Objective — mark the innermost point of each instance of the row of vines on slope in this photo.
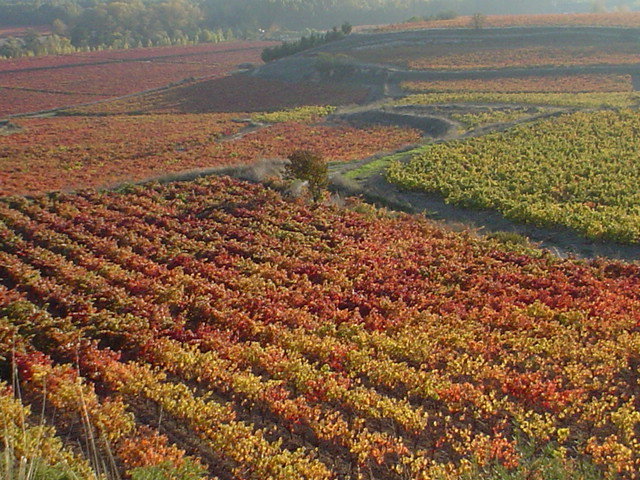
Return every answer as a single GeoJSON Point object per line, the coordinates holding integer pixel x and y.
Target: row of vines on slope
{"type": "Point", "coordinates": [310, 342]}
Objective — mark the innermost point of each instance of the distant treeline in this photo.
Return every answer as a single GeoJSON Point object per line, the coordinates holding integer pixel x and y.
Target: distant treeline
{"type": "Point", "coordinates": [319, 14]}
{"type": "Point", "coordinates": [92, 24]}
{"type": "Point", "coordinates": [80, 25]}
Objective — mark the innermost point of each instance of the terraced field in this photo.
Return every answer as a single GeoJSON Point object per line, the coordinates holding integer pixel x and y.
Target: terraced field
{"type": "Point", "coordinates": [466, 57]}
{"type": "Point", "coordinates": [579, 100]}
{"type": "Point", "coordinates": [605, 83]}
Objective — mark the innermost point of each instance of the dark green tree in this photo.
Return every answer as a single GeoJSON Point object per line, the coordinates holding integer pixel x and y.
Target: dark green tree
{"type": "Point", "coordinates": [310, 167]}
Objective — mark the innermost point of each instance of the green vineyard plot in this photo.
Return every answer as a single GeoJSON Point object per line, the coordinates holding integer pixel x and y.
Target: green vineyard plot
{"type": "Point", "coordinates": [579, 171]}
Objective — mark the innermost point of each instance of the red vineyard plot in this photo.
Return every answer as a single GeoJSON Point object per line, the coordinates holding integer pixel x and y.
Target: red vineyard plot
{"type": "Point", "coordinates": [16, 100]}
{"type": "Point", "coordinates": [237, 93]}
{"type": "Point", "coordinates": [75, 152]}
{"type": "Point", "coordinates": [116, 73]}
{"type": "Point", "coordinates": [179, 53]}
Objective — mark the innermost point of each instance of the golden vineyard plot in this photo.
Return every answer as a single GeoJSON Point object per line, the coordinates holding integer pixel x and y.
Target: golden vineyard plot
{"type": "Point", "coordinates": [216, 328]}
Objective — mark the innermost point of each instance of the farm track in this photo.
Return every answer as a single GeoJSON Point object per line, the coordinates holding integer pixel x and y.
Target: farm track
{"type": "Point", "coordinates": [56, 92]}
{"type": "Point", "coordinates": [252, 127]}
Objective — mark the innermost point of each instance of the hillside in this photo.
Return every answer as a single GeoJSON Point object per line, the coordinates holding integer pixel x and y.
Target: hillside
{"type": "Point", "coordinates": [600, 19]}
{"type": "Point", "coordinates": [455, 53]}
{"type": "Point", "coordinates": [316, 341]}
{"type": "Point", "coordinates": [43, 83]}
{"type": "Point", "coordinates": [409, 254]}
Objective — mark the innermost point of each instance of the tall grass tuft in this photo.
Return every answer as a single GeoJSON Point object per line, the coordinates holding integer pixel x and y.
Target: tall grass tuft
{"type": "Point", "coordinates": [15, 467]}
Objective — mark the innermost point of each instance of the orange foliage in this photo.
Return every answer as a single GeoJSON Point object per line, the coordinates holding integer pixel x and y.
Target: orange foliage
{"type": "Point", "coordinates": [61, 80]}
{"type": "Point", "coordinates": [371, 342]}
{"type": "Point", "coordinates": [73, 152]}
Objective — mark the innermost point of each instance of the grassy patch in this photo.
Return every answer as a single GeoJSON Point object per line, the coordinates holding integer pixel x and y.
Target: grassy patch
{"type": "Point", "coordinates": [374, 167]}
{"type": "Point", "coordinates": [544, 463]}
{"type": "Point", "coordinates": [12, 468]}
{"type": "Point", "coordinates": [167, 471]}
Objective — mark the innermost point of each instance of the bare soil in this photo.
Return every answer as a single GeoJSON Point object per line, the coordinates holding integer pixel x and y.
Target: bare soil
{"type": "Point", "coordinates": [430, 125]}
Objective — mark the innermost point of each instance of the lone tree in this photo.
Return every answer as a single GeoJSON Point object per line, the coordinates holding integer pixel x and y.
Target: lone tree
{"type": "Point", "coordinates": [309, 167]}
{"type": "Point", "coordinates": [478, 21]}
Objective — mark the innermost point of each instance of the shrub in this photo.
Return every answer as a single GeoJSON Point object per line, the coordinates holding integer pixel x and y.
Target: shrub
{"type": "Point", "coordinates": [336, 66]}
{"type": "Point", "coordinates": [346, 28]}
{"type": "Point", "coordinates": [12, 468]}
{"type": "Point", "coordinates": [311, 168]}
{"type": "Point", "coordinates": [447, 15]}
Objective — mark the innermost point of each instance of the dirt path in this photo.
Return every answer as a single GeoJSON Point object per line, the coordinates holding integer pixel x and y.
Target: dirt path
{"type": "Point", "coordinates": [252, 127]}
{"type": "Point", "coordinates": [55, 92]}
